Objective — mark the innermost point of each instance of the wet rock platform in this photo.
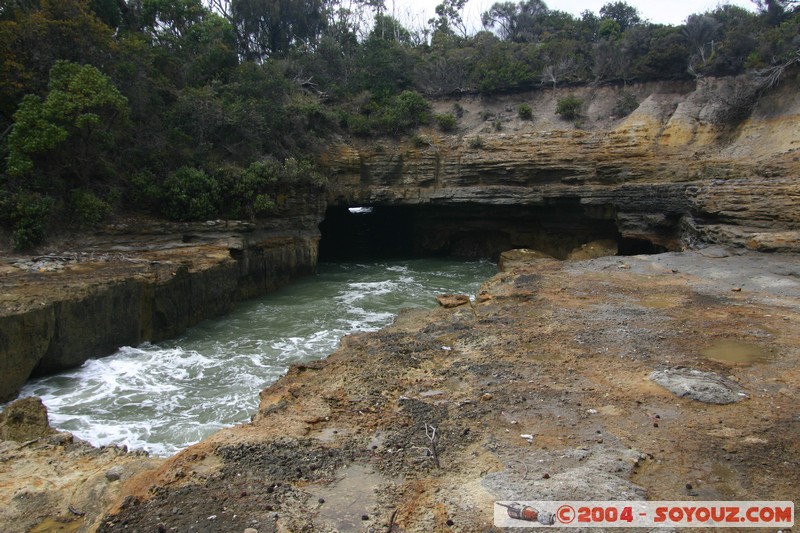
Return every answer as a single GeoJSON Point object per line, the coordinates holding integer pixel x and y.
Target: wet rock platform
{"type": "Point", "coordinates": [539, 389]}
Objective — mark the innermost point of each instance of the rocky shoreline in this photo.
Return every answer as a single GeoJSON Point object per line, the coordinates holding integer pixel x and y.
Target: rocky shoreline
{"type": "Point", "coordinates": [122, 288]}
{"type": "Point", "coordinates": [668, 376]}
{"type": "Point", "coordinates": [550, 385]}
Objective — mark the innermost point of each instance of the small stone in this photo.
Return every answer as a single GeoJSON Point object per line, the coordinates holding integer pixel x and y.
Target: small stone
{"type": "Point", "coordinates": [546, 476]}
{"type": "Point", "coordinates": [250, 530]}
{"type": "Point", "coordinates": [486, 397]}
{"type": "Point", "coordinates": [448, 301]}
{"type": "Point", "coordinates": [114, 473]}
{"type": "Point", "coordinates": [450, 522]}
{"type": "Point", "coordinates": [364, 517]}
{"type": "Point", "coordinates": [162, 528]}
{"type": "Point", "coordinates": [688, 486]}
{"type": "Point", "coordinates": [736, 289]}
{"type": "Point", "coordinates": [321, 500]}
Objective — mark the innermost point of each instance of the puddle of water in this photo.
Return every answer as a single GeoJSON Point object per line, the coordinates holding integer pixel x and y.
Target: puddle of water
{"type": "Point", "coordinates": [346, 500]}
{"type": "Point", "coordinates": [52, 526]}
{"type": "Point", "coordinates": [735, 353]}
{"type": "Point", "coordinates": [725, 480]}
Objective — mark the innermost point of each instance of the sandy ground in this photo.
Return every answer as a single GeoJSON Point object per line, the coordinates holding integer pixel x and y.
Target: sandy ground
{"type": "Point", "coordinates": [539, 390]}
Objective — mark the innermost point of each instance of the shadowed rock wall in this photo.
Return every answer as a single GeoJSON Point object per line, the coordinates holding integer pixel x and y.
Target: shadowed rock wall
{"type": "Point", "coordinates": [127, 288]}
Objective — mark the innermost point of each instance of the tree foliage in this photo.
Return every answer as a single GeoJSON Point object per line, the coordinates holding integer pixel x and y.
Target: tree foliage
{"type": "Point", "coordinates": [202, 108]}
{"type": "Point", "coordinates": [70, 127]}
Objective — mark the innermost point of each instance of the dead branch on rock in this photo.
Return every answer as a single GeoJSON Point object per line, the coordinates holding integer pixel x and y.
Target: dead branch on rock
{"type": "Point", "coordinates": [770, 76]}
{"type": "Point", "coordinates": [525, 475]}
{"type": "Point", "coordinates": [433, 438]}
{"type": "Point", "coordinates": [744, 95]}
{"type": "Point", "coordinates": [390, 527]}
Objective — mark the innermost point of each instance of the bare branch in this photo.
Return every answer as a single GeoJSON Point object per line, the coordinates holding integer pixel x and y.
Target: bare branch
{"type": "Point", "coordinates": [431, 434]}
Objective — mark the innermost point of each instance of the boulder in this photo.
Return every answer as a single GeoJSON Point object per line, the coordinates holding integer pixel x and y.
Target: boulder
{"type": "Point", "coordinates": [593, 250]}
{"type": "Point", "coordinates": [24, 420]}
{"type": "Point", "coordinates": [705, 387]}
{"type": "Point", "coordinates": [448, 301]}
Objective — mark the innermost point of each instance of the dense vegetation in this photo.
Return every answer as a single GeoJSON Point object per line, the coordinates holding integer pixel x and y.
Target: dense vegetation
{"type": "Point", "coordinates": [192, 109]}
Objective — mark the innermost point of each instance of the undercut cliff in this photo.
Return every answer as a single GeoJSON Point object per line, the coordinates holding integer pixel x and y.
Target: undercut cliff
{"type": "Point", "coordinates": [683, 169]}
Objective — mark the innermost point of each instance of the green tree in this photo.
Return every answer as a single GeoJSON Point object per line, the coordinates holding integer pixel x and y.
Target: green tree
{"type": "Point", "coordinates": [70, 129]}
{"type": "Point", "coordinates": [623, 14]}
{"type": "Point", "coordinates": [700, 31]}
{"type": "Point", "coordinates": [170, 20]}
{"type": "Point", "coordinates": [737, 37]}
{"type": "Point", "coordinates": [776, 11]}
{"type": "Point", "coordinates": [34, 35]}
{"type": "Point", "coordinates": [272, 28]}
{"type": "Point", "coordinates": [385, 63]}
{"type": "Point", "coordinates": [448, 20]}
{"type": "Point", "coordinates": [516, 22]}
{"type": "Point", "coordinates": [190, 194]}
{"type": "Point", "coordinates": [29, 214]}
{"type": "Point", "coordinates": [110, 12]}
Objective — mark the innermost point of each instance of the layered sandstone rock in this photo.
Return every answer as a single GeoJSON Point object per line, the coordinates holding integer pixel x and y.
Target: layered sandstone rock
{"type": "Point", "coordinates": [124, 288]}
{"type": "Point", "coordinates": [675, 172]}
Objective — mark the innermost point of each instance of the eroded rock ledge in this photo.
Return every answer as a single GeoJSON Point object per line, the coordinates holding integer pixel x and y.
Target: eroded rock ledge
{"type": "Point", "coordinates": [541, 389]}
{"type": "Point", "coordinates": [125, 288]}
{"type": "Point", "coordinates": [675, 172]}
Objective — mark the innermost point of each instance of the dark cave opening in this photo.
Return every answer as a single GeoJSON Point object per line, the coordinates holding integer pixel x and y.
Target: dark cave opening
{"type": "Point", "coordinates": [469, 230]}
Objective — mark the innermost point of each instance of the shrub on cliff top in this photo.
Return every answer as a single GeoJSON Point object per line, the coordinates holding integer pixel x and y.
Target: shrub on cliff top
{"type": "Point", "coordinates": [30, 215]}
{"type": "Point", "coordinates": [89, 210]}
{"type": "Point", "coordinates": [569, 107]}
{"type": "Point", "coordinates": [446, 122]}
{"type": "Point", "coordinates": [408, 110]}
{"type": "Point", "coordinates": [190, 194]}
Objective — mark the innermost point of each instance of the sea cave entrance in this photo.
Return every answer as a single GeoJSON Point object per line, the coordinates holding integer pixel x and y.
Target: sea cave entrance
{"type": "Point", "coordinates": [469, 230]}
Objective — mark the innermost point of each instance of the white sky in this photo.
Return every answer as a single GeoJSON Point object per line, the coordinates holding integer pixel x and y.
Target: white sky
{"type": "Point", "coordinates": [415, 13]}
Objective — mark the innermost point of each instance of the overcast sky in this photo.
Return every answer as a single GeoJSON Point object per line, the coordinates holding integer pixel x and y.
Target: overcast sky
{"type": "Point", "coordinates": [415, 13]}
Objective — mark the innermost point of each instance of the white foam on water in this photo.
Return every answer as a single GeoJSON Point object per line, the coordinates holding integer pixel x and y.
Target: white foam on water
{"type": "Point", "coordinates": [165, 397]}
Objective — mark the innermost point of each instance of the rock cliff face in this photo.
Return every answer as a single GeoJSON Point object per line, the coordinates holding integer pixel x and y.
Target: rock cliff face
{"type": "Point", "coordinates": [672, 174]}
{"type": "Point", "coordinates": [125, 288]}
{"type": "Point", "coordinates": [675, 172]}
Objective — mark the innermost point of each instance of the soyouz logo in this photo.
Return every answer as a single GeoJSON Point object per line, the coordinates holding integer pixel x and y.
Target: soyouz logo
{"type": "Point", "coordinates": [644, 514]}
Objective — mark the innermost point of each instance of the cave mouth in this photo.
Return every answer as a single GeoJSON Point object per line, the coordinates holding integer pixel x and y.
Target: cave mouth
{"type": "Point", "coordinates": [467, 231]}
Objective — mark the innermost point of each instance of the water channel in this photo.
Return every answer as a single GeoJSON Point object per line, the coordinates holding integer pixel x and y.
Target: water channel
{"type": "Point", "coordinates": [163, 397]}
